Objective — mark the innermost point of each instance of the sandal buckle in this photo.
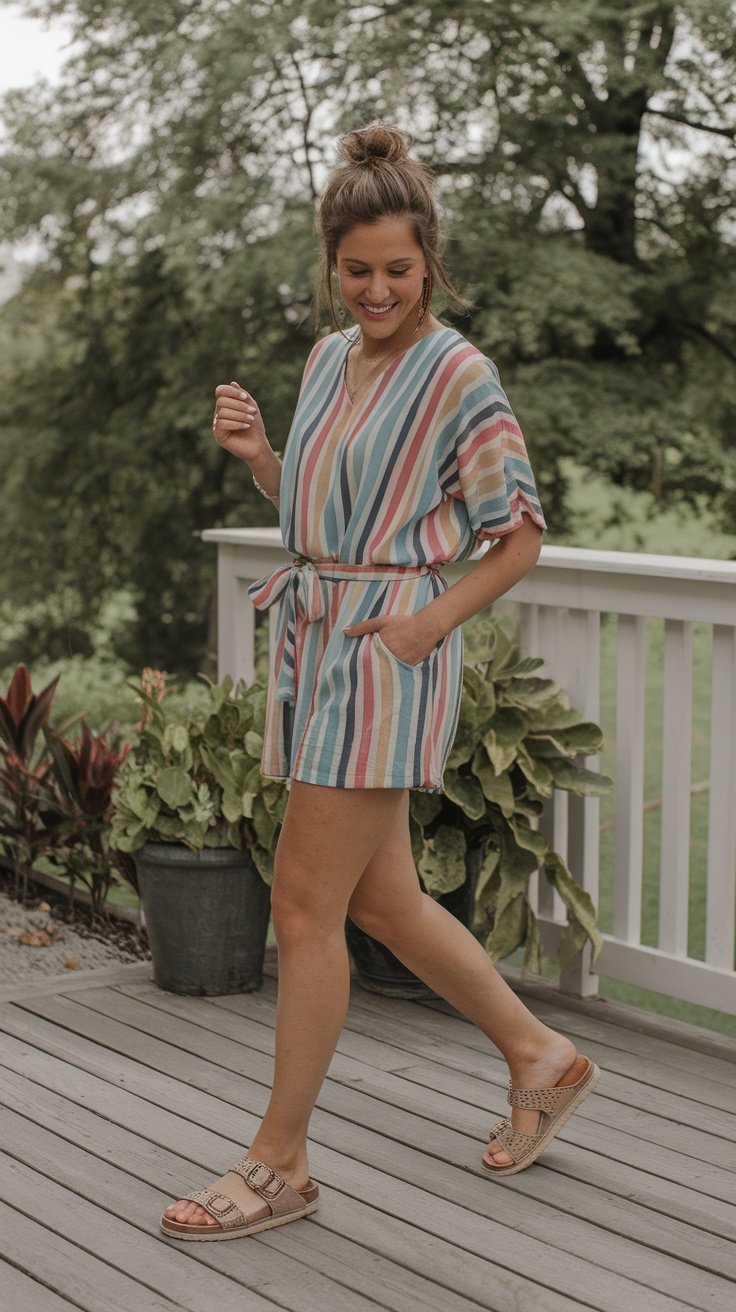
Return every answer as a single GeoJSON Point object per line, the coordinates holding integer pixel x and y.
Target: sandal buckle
{"type": "Point", "coordinates": [263, 1186]}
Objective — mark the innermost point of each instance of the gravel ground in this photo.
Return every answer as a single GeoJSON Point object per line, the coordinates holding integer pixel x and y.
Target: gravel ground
{"type": "Point", "coordinates": [38, 937]}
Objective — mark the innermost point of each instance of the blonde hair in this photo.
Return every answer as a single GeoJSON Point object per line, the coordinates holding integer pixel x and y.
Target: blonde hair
{"type": "Point", "coordinates": [378, 178]}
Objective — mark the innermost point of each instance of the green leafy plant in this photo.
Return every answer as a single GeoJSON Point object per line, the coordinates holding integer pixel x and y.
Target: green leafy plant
{"type": "Point", "coordinates": [193, 776]}
{"type": "Point", "coordinates": [518, 738]}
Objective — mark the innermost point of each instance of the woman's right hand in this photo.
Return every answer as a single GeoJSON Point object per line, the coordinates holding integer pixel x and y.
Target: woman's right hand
{"type": "Point", "coordinates": [238, 423]}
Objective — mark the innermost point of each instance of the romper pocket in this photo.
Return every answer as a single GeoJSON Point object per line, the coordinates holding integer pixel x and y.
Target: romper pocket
{"type": "Point", "coordinates": [405, 665]}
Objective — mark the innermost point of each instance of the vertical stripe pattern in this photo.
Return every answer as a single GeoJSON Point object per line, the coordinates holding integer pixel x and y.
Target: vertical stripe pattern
{"type": "Point", "coordinates": [375, 496]}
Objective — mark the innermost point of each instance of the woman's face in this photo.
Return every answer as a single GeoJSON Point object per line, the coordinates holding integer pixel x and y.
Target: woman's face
{"type": "Point", "coordinates": [381, 267]}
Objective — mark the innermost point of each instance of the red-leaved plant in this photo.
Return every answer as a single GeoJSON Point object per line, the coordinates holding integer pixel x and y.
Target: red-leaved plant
{"type": "Point", "coordinates": [26, 785]}
{"type": "Point", "coordinates": [84, 775]}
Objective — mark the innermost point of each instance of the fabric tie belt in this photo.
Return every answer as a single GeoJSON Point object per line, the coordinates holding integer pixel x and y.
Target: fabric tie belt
{"type": "Point", "coordinates": [305, 599]}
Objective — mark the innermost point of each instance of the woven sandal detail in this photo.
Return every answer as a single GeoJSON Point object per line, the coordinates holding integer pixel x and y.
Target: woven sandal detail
{"type": "Point", "coordinates": [555, 1105]}
{"type": "Point", "coordinates": [284, 1204]}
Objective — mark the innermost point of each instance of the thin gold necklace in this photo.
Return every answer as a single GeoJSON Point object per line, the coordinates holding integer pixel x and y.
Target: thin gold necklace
{"type": "Point", "coordinates": [374, 363]}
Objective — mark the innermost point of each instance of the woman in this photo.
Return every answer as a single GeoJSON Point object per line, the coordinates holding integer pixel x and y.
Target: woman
{"type": "Point", "coordinates": [403, 453]}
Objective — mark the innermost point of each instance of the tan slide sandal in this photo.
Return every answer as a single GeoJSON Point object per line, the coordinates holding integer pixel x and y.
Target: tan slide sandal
{"type": "Point", "coordinates": [556, 1105]}
{"type": "Point", "coordinates": [285, 1204]}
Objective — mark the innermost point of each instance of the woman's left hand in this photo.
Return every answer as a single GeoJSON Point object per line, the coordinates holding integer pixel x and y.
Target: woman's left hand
{"type": "Point", "coordinates": [407, 637]}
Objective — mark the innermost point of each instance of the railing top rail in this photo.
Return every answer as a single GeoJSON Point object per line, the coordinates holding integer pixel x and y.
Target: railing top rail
{"type": "Point", "coordinates": [703, 569]}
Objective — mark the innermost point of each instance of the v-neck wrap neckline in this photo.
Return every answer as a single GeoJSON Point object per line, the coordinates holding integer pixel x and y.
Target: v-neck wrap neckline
{"type": "Point", "coordinates": [367, 385]}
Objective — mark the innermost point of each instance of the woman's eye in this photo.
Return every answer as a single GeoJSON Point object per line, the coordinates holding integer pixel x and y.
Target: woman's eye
{"type": "Point", "coordinates": [393, 273]}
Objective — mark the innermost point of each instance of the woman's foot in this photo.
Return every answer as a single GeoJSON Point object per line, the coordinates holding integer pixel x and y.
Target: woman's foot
{"type": "Point", "coordinates": [295, 1173]}
{"type": "Point", "coordinates": [541, 1071]}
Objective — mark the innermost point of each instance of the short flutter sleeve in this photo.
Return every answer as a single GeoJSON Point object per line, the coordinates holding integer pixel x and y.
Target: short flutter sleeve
{"type": "Point", "coordinates": [490, 465]}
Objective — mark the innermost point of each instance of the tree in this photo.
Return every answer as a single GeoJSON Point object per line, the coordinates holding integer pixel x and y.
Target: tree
{"type": "Point", "coordinates": [171, 181]}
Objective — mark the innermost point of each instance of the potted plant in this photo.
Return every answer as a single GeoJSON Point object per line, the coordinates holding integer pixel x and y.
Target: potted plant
{"type": "Point", "coordinates": [475, 845]}
{"type": "Point", "coordinates": [192, 809]}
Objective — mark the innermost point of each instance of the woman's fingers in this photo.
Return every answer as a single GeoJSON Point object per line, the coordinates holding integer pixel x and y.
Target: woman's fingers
{"type": "Point", "coordinates": [239, 413]}
{"type": "Point", "coordinates": [232, 389]}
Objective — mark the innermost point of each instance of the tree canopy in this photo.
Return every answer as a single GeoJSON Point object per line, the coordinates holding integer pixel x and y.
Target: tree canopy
{"type": "Point", "coordinates": [585, 161]}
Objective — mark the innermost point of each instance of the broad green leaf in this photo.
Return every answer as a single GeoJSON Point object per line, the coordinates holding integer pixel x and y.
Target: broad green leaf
{"type": "Point", "coordinates": [442, 864]}
{"type": "Point", "coordinates": [254, 744]}
{"type": "Point", "coordinates": [218, 763]}
{"type": "Point", "coordinates": [486, 887]}
{"type": "Point", "coordinates": [463, 745]}
{"type": "Point", "coordinates": [176, 739]}
{"type": "Point", "coordinates": [466, 792]}
{"type": "Point", "coordinates": [576, 779]}
{"type": "Point", "coordinates": [264, 824]}
{"type": "Point", "coordinates": [578, 902]}
{"type": "Point", "coordinates": [497, 788]}
{"type": "Point", "coordinates": [174, 787]}
{"type": "Point", "coordinates": [571, 942]}
{"type": "Point", "coordinates": [533, 955]}
{"type": "Point", "coordinates": [532, 693]}
{"type": "Point", "coordinates": [478, 689]}
{"type": "Point", "coordinates": [583, 738]}
{"type": "Point", "coordinates": [529, 838]}
{"type": "Point", "coordinates": [535, 770]}
{"type": "Point", "coordinates": [508, 930]}
{"type": "Point", "coordinates": [506, 731]}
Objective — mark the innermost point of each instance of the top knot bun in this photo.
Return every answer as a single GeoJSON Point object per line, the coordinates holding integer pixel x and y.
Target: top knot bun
{"type": "Point", "coordinates": [376, 141]}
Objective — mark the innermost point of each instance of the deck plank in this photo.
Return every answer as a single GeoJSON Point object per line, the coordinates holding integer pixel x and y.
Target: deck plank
{"type": "Point", "coordinates": [74, 1272]}
{"type": "Point", "coordinates": [116, 1096]}
{"type": "Point", "coordinates": [24, 1294]}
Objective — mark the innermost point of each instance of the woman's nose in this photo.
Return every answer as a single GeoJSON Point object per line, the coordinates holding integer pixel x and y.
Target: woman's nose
{"type": "Point", "coordinates": [378, 290]}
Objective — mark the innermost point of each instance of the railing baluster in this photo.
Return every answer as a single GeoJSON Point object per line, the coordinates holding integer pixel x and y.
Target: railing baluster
{"type": "Point", "coordinates": [629, 827]}
{"type": "Point", "coordinates": [583, 687]}
{"type": "Point", "coordinates": [721, 896]}
{"type": "Point", "coordinates": [551, 635]}
{"type": "Point", "coordinates": [677, 703]}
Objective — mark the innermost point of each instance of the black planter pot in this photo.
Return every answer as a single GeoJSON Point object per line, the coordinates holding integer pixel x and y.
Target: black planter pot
{"type": "Point", "coordinates": [379, 971]}
{"type": "Point", "coordinates": [206, 916]}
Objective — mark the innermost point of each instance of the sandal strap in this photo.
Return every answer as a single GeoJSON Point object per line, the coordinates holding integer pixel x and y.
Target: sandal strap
{"type": "Point", "coordinates": [517, 1145]}
{"type": "Point", "coordinates": [545, 1100]}
{"type": "Point", "coordinates": [271, 1186]}
{"type": "Point", "coordinates": [223, 1209]}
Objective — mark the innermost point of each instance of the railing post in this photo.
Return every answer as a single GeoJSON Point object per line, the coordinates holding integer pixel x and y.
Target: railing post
{"type": "Point", "coordinates": [235, 617]}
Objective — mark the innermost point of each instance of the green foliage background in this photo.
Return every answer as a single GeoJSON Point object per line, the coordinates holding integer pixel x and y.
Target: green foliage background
{"type": "Point", "coordinates": [585, 161]}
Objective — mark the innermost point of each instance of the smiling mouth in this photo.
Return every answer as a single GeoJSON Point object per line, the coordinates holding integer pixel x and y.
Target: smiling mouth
{"type": "Point", "coordinates": [378, 311]}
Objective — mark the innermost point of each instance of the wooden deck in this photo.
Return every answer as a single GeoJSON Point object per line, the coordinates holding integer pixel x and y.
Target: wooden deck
{"type": "Point", "coordinates": [116, 1097]}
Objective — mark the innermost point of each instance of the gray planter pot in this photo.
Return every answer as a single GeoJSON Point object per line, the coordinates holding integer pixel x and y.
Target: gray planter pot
{"type": "Point", "coordinates": [206, 916]}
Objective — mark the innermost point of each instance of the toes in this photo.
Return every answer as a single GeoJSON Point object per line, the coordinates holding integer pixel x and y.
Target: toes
{"type": "Point", "coordinates": [189, 1212]}
{"type": "Point", "coordinates": [498, 1154]}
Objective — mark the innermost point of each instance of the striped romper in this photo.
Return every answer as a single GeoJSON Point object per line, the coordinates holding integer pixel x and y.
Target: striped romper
{"type": "Point", "coordinates": [376, 494]}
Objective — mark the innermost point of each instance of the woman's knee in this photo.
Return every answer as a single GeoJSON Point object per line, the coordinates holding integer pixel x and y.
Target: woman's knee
{"type": "Point", "coordinates": [299, 906]}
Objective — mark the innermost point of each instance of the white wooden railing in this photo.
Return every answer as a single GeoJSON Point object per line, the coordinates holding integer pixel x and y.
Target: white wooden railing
{"type": "Point", "coordinates": [561, 603]}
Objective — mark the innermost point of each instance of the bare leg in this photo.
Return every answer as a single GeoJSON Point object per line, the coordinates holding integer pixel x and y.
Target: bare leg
{"type": "Point", "coordinates": [326, 841]}
{"type": "Point", "coordinates": [389, 904]}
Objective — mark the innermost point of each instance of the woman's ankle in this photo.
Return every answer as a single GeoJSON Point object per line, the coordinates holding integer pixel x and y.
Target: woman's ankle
{"type": "Point", "coordinates": [282, 1157]}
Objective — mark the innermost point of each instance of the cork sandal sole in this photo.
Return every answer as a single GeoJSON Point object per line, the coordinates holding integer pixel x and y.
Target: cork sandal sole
{"type": "Point", "coordinates": [556, 1106]}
